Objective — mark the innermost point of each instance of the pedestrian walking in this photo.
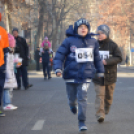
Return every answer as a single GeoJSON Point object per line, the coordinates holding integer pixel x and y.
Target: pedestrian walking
{"type": "Point", "coordinates": [104, 87]}
{"type": "Point", "coordinates": [46, 63]}
{"type": "Point", "coordinates": [127, 60]}
{"type": "Point", "coordinates": [10, 79]}
{"type": "Point", "coordinates": [22, 50]}
{"type": "Point", "coordinates": [80, 55]}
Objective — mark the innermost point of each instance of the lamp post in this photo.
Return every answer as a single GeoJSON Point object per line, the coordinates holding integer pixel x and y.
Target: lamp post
{"type": "Point", "coordinates": [130, 45]}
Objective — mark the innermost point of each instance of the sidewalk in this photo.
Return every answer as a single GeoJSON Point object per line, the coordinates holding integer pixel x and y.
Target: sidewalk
{"type": "Point", "coordinates": [126, 67]}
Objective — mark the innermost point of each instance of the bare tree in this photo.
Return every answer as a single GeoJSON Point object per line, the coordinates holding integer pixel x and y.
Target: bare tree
{"type": "Point", "coordinates": [58, 10]}
{"type": "Point", "coordinates": [119, 15]}
{"type": "Point", "coordinates": [42, 10]}
{"type": "Point", "coordinates": [8, 8]}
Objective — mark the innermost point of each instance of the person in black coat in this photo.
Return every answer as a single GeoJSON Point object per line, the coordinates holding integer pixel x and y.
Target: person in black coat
{"type": "Point", "coordinates": [104, 87]}
{"type": "Point", "coordinates": [127, 60]}
{"type": "Point", "coordinates": [23, 51]}
{"type": "Point", "coordinates": [37, 58]}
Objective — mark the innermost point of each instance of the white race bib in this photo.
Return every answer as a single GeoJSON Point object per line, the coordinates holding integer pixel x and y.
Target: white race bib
{"type": "Point", "coordinates": [104, 55]}
{"type": "Point", "coordinates": [84, 55]}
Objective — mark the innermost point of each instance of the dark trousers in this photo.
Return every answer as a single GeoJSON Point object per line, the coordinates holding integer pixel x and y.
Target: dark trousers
{"type": "Point", "coordinates": [22, 71]}
{"type": "Point", "coordinates": [37, 65]}
{"type": "Point", "coordinates": [2, 81]}
{"type": "Point", "coordinates": [46, 66]}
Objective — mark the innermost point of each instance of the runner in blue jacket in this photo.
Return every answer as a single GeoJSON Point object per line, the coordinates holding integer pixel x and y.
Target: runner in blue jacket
{"type": "Point", "coordinates": [80, 55]}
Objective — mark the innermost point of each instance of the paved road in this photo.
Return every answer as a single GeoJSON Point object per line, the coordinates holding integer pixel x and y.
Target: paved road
{"type": "Point", "coordinates": [43, 109]}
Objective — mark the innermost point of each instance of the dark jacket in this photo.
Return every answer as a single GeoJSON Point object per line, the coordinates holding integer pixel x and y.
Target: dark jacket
{"type": "Point", "coordinates": [22, 49]}
{"type": "Point", "coordinates": [66, 54]}
{"type": "Point", "coordinates": [115, 57]}
{"type": "Point", "coordinates": [6, 50]}
{"type": "Point", "coordinates": [46, 56]}
{"type": "Point", "coordinates": [36, 55]}
{"type": "Point", "coordinates": [2, 70]}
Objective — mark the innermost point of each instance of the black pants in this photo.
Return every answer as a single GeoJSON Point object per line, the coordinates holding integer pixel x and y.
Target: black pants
{"type": "Point", "coordinates": [22, 71]}
{"type": "Point", "coordinates": [37, 65]}
{"type": "Point", "coordinates": [2, 81]}
{"type": "Point", "coordinates": [46, 66]}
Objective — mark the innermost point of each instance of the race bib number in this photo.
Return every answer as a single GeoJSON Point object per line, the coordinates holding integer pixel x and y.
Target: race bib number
{"type": "Point", "coordinates": [104, 55]}
{"type": "Point", "coordinates": [84, 55]}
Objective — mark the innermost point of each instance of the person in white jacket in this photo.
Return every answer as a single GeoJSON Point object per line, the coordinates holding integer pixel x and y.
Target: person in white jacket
{"type": "Point", "coordinates": [10, 81]}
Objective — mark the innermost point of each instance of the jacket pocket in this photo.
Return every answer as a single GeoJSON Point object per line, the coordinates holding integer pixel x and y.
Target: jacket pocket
{"type": "Point", "coordinates": [110, 75]}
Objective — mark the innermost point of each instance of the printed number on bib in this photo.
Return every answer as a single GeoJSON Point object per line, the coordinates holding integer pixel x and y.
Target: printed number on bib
{"type": "Point", "coordinates": [104, 55]}
{"type": "Point", "coordinates": [84, 54]}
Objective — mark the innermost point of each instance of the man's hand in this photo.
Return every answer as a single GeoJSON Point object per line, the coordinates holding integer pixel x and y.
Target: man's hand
{"type": "Point", "coordinates": [104, 62]}
{"type": "Point", "coordinates": [58, 74]}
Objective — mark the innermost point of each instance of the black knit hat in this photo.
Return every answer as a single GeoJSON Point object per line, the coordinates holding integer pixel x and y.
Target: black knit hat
{"type": "Point", "coordinates": [105, 29]}
{"type": "Point", "coordinates": [15, 29]}
{"type": "Point", "coordinates": [80, 22]}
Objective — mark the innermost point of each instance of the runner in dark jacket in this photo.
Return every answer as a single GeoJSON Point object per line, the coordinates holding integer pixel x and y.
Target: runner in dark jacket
{"type": "Point", "coordinates": [80, 55]}
{"type": "Point", "coordinates": [104, 87]}
{"type": "Point", "coordinates": [79, 72]}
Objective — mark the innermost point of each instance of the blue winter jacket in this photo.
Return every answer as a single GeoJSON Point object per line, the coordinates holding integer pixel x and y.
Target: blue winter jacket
{"type": "Point", "coordinates": [78, 72]}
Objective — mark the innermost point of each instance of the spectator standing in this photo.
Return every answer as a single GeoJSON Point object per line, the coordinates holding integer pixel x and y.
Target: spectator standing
{"type": "Point", "coordinates": [4, 44]}
{"type": "Point", "coordinates": [10, 81]}
{"type": "Point", "coordinates": [23, 51]}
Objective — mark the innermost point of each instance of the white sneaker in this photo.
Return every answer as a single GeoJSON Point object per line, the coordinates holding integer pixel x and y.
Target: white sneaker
{"type": "Point", "coordinates": [10, 107]}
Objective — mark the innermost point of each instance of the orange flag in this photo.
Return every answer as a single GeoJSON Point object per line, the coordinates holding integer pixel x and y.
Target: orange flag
{"type": "Point", "coordinates": [3, 43]}
{"type": "Point", "coordinates": [0, 17]}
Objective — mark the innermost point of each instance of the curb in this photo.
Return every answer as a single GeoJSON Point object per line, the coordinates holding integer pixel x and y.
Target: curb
{"type": "Point", "coordinates": [131, 68]}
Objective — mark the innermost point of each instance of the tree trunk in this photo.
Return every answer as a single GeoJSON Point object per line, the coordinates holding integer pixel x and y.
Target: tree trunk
{"type": "Point", "coordinates": [54, 40]}
{"type": "Point", "coordinates": [7, 18]}
{"type": "Point", "coordinates": [54, 34]}
{"type": "Point", "coordinates": [61, 32]}
{"type": "Point", "coordinates": [40, 24]}
{"type": "Point", "coordinates": [10, 23]}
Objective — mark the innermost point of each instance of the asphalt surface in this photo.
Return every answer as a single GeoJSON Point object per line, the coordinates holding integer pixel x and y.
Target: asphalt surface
{"type": "Point", "coordinates": [43, 109]}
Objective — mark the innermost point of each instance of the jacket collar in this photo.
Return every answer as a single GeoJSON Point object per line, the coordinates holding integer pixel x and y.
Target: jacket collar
{"type": "Point", "coordinates": [103, 42]}
{"type": "Point", "coordinates": [70, 32]}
